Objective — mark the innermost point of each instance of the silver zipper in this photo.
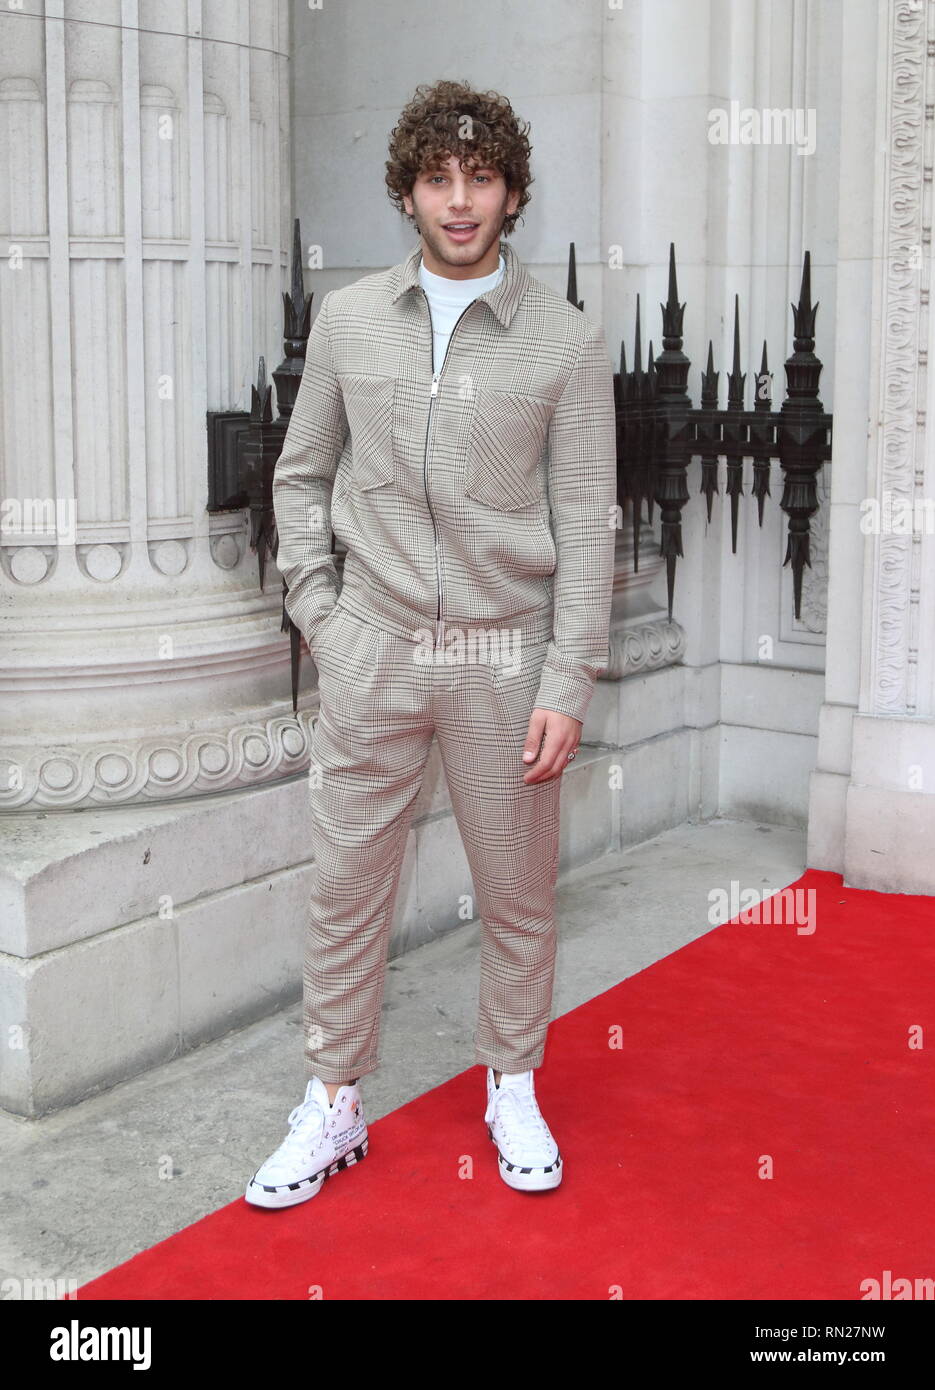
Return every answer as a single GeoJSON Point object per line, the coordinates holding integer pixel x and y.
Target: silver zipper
{"type": "Point", "coordinates": [436, 376]}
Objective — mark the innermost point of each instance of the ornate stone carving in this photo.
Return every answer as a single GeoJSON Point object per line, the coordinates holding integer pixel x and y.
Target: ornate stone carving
{"type": "Point", "coordinates": [31, 564]}
{"type": "Point", "coordinates": [646, 647]}
{"type": "Point", "coordinates": [900, 440]}
{"type": "Point", "coordinates": [161, 768]}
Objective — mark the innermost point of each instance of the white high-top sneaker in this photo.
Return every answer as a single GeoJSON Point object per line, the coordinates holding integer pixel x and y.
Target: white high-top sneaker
{"type": "Point", "coordinates": [529, 1159]}
{"type": "Point", "coordinates": [323, 1139]}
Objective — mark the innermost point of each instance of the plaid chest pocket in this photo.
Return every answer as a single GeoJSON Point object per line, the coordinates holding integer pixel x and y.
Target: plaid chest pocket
{"type": "Point", "coordinates": [369, 404]}
{"type": "Point", "coordinates": [508, 434]}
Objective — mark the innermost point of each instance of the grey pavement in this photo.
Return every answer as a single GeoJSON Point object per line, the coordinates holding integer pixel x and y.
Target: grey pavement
{"type": "Point", "coordinates": [86, 1188]}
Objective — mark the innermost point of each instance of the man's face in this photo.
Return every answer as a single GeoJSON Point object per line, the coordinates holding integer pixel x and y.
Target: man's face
{"type": "Point", "coordinates": [447, 197]}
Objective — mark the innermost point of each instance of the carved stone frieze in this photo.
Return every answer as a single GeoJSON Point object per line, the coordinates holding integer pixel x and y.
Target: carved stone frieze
{"type": "Point", "coordinates": [904, 315]}
{"type": "Point", "coordinates": [158, 768]}
{"type": "Point", "coordinates": [645, 647]}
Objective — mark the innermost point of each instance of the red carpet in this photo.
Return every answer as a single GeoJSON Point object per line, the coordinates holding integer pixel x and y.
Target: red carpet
{"type": "Point", "coordinates": [754, 1040]}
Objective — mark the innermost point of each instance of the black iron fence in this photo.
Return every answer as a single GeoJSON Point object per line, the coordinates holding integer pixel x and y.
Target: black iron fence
{"type": "Point", "coordinates": [659, 433]}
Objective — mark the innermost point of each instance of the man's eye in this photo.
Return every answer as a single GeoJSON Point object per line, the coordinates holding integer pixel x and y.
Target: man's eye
{"type": "Point", "coordinates": [432, 177]}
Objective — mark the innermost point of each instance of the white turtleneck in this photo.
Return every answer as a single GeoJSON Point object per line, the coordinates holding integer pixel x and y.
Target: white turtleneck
{"type": "Point", "coordinates": [448, 300]}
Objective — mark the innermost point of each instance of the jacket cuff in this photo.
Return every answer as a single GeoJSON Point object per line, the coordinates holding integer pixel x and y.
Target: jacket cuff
{"type": "Point", "coordinates": [564, 694]}
{"type": "Point", "coordinates": [305, 608]}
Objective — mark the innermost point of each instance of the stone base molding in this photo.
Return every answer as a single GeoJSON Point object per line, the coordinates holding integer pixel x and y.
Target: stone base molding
{"type": "Point", "coordinates": [645, 647]}
{"type": "Point", "coordinates": [216, 756]}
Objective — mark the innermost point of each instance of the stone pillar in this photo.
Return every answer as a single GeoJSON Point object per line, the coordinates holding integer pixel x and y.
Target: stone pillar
{"type": "Point", "coordinates": [144, 238]}
{"type": "Point", "coordinates": [145, 226]}
{"type": "Point", "coordinates": [872, 809]}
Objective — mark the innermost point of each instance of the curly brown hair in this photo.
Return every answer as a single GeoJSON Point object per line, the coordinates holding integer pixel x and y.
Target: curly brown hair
{"type": "Point", "coordinates": [430, 131]}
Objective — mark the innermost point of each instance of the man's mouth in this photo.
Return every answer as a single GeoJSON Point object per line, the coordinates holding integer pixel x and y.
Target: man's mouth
{"type": "Point", "coordinates": [461, 231]}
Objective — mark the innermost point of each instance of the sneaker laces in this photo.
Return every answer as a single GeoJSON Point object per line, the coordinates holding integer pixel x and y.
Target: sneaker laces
{"type": "Point", "coordinates": [525, 1111]}
{"type": "Point", "coordinates": [300, 1134]}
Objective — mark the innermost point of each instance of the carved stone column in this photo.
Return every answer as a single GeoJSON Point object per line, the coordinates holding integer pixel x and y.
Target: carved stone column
{"type": "Point", "coordinates": [143, 228]}
{"type": "Point", "coordinates": [145, 223]}
{"type": "Point", "coordinates": [872, 811]}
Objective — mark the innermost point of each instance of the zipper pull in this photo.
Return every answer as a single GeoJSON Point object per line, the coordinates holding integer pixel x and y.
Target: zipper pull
{"type": "Point", "coordinates": [434, 390]}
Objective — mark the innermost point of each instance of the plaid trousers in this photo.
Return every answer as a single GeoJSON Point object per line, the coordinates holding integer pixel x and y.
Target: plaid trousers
{"type": "Point", "coordinates": [380, 708]}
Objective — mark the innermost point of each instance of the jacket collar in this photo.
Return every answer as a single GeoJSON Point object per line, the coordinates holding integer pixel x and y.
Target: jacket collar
{"type": "Point", "coordinates": [503, 299]}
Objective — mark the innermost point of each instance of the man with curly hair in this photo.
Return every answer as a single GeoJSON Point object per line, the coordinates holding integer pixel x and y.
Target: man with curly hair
{"type": "Point", "coordinates": [454, 429]}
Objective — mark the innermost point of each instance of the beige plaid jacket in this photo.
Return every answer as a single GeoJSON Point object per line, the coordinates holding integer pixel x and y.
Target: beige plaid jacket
{"type": "Point", "coordinates": [482, 496]}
